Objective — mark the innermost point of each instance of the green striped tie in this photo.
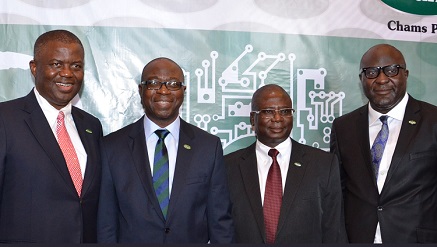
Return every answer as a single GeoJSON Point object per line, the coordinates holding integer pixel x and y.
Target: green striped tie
{"type": "Point", "coordinates": [160, 171]}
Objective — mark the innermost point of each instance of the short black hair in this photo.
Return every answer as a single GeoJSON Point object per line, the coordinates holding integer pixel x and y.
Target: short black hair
{"type": "Point", "coordinates": [54, 35]}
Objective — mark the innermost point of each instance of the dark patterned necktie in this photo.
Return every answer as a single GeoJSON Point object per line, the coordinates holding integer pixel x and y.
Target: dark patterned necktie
{"type": "Point", "coordinates": [160, 171]}
{"type": "Point", "coordinates": [379, 145]}
{"type": "Point", "coordinates": [272, 198]}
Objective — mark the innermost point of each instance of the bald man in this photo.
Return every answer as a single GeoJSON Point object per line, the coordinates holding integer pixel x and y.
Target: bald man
{"type": "Point", "coordinates": [388, 156]}
{"type": "Point", "coordinates": [306, 201]}
{"type": "Point", "coordinates": [146, 199]}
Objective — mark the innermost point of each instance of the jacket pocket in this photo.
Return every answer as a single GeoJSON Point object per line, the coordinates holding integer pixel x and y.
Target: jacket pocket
{"type": "Point", "coordinates": [423, 155]}
{"type": "Point", "coordinates": [196, 180]}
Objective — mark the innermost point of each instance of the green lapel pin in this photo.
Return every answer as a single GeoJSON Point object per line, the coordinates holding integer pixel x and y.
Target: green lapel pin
{"type": "Point", "coordinates": [412, 122]}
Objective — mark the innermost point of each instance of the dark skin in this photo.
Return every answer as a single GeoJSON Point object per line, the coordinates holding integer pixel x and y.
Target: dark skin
{"type": "Point", "coordinates": [383, 92]}
{"type": "Point", "coordinates": [271, 132]}
{"type": "Point", "coordinates": [162, 106]}
{"type": "Point", "coordinates": [59, 71]}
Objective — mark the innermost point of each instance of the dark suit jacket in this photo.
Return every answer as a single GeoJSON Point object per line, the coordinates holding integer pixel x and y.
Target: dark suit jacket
{"type": "Point", "coordinates": [407, 206]}
{"type": "Point", "coordinates": [311, 206]}
{"type": "Point", "coordinates": [199, 208]}
{"type": "Point", "coordinates": [38, 201]}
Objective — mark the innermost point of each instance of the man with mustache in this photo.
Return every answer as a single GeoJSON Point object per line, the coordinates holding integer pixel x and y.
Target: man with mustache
{"type": "Point", "coordinates": [388, 156]}
{"type": "Point", "coordinates": [283, 192]}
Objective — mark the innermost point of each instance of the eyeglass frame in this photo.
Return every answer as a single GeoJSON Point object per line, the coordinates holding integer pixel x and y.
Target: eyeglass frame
{"type": "Point", "coordinates": [276, 111]}
{"type": "Point", "coordinates": [379, 68]}
{"type": "Point", "coordinates": [147, 82]}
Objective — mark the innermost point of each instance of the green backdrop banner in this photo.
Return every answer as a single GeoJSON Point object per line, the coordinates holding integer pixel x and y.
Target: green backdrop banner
{"type": "Point", "coordinates": [224, 67]}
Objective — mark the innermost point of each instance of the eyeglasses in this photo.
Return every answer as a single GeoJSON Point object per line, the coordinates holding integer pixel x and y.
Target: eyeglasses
{"type": "Point", "coordinates": [156, 85]}
{"type": "Point", "coordinates": [389, 71]}
{"type": "Point", "coordinates": [270, 113]}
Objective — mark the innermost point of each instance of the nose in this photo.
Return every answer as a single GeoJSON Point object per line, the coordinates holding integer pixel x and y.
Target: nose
{"type": "Point", "coordinates": [163, 89]}
{"type": "Point", "coordinates": [66, 71]}
{"type": "Point", "coordinates": [382, 78]}
{"type": "Point", "coordinates": [277, 117]}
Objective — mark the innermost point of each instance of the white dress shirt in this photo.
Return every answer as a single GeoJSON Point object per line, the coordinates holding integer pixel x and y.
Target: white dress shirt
{"type": "Point", "coordinates": [264, 161]}
{"type": "Point", "coordinates": [394, 121]}
{"type": "Point", "coordinates": [51, 115]}
{"type": "Point", "coordinates": [171, 143]}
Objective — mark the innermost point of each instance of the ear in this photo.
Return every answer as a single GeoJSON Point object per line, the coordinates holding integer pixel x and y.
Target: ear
{"type": "Point", "coordinates": [252, 121]}
{"type": "Point", "coordinates": [32, 66]}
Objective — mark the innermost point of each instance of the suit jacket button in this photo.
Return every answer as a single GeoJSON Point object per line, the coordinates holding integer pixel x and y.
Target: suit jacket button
{"type": "Point", "coordinates": [380, 208]}
{"type": "Point", "coordinates": [167, 230]}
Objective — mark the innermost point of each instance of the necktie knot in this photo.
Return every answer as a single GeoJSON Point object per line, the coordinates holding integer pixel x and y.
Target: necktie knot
{"type": "Point", "coordinates": [61, 116]}
{"type": "Point", "coordinates": [383, 119]}
{"type": "Point", "coordinates": [273, 153]}
{"type": "Point", "coordinates": [162, 133]}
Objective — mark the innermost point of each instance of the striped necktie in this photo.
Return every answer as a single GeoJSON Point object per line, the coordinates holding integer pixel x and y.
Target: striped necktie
{"type": "Point", "coordinates": [160, 171]}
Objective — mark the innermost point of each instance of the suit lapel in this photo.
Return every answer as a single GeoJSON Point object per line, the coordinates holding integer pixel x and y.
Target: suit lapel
{"type": "Point", "coordinates": [362, 130]}
{"type": "Point", "coordinates": [87, 140]}
{"type": "Point", "coordinates": [412, 112]}
{"type": "Point", "coordinates": [249, 174]}
{"type": "Point", "coordinates": [40, 128]}
{"type": "Point", "coordinates": [295, 174]}
{"type": "Point", "coordinates": [138, 147]}
{"type": "Point", "coordinates": [183, 163]}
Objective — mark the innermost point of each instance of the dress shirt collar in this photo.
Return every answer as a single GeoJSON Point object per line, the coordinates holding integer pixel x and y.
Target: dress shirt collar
{"type": "Point", "coordinates": [50, 112]}
{"type": "Point", "coordinates": [284, 149]}
{"type": "Point", "coordinates": [150, 127]}
{"type": "Point", "coordinates": [397, 112]}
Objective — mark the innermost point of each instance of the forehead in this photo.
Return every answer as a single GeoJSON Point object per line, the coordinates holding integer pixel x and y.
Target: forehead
{"type": "Point", "coordinates": [382, 56]}
{"type": "Point", "coordinates": [53, 48]}
{"type": "Point", "coordinates": [272, 98]}
{"type": "Point", "coordinates": [164, 69]}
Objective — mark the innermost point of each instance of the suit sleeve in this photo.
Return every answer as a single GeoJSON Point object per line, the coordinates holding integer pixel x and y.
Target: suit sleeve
{"type": "Point", "coordinates": [333, 217]}
{"type": "Point", "coordinates": [107, 218]}
{"type": "Point", "coordinates": [220, 224]}
{"type": "Point", "coordinates": [2, 152]}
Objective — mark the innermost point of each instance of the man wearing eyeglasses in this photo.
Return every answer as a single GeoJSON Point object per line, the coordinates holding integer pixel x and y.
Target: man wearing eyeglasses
{"type": "Point", "coordinates": [388, 156]}
{"type": "Point", "coordinates": [163, 179]}
{"type": "Point", "coordinates": [283, 192]}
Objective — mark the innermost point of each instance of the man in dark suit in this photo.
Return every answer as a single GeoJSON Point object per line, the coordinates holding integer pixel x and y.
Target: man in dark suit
{"type": "Point", "coordinates": [194, 206]}
{"type": "Point", "coordinates": [307, 203]}
{"type": "Point", "coordinates": [390, 192]}
{"type": "Point", "coordinates": [46, 198]}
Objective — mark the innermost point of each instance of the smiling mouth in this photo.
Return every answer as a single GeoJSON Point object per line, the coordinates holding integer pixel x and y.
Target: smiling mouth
{"type": "Point", "coordinates": [163, 103]}
{"type": "Point", "coordinates": [276, 130]}
{"type": "Point", "coordinates": [64, 84]}
{"type": "Point", "coordinates": [163, 100]}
